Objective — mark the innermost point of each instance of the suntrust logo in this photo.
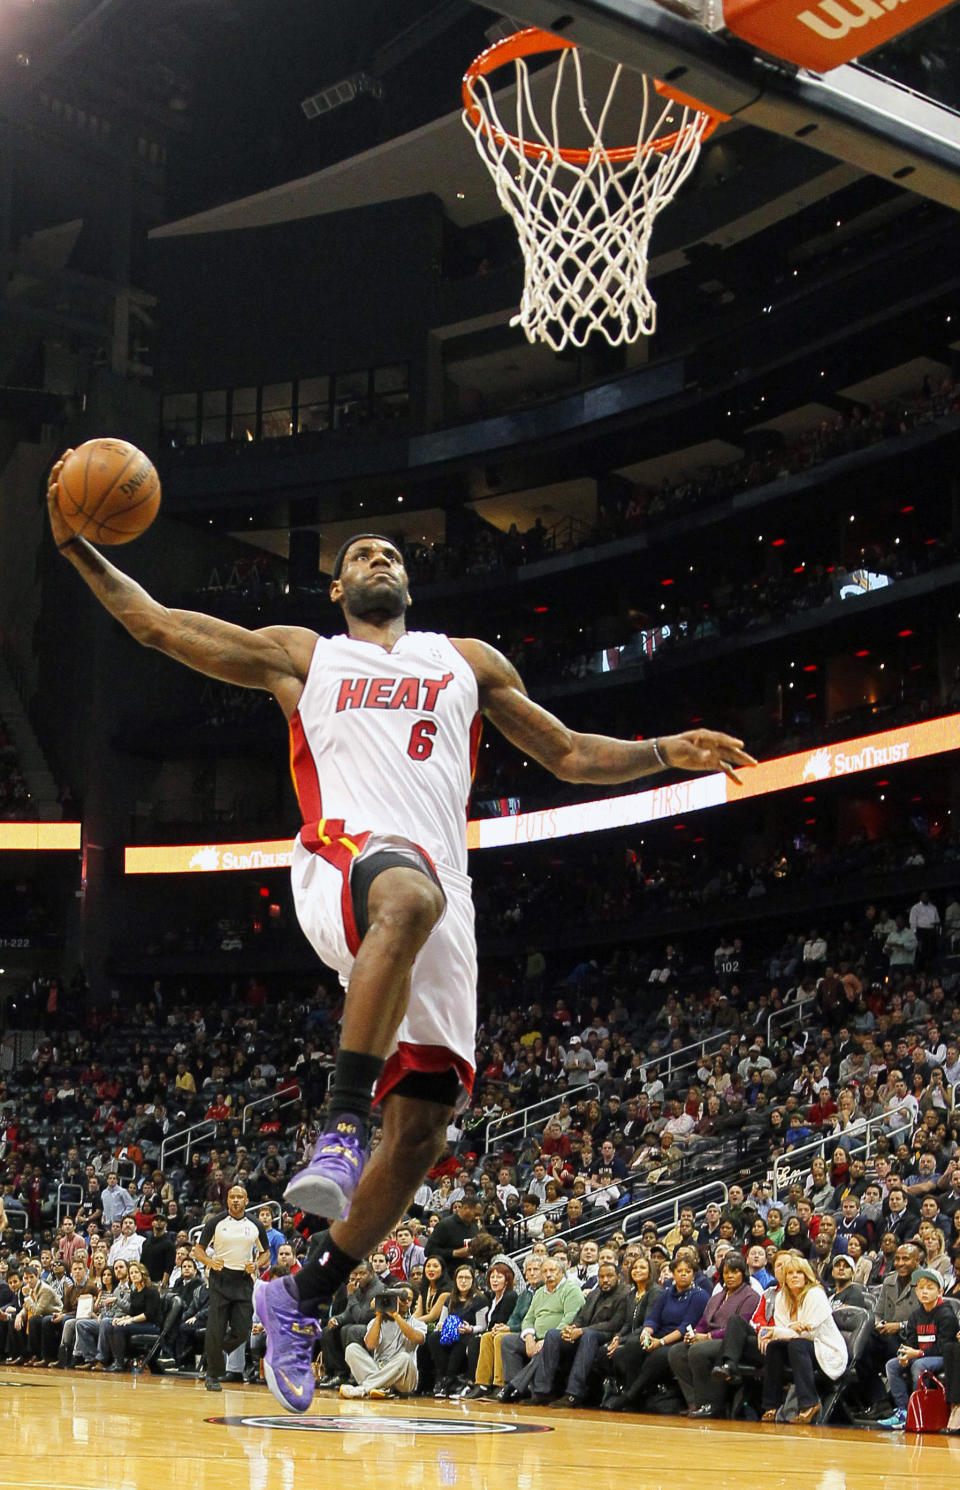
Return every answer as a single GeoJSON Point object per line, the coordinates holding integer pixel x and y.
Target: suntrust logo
{"type": "Point", "coordinates": [824, 762]}
{"type": "Point", "coordinates": [870, 756]}
{"type": "Point", "coordinates": [819, 766]}
{"type": "Point", "coordinates": [835, 19]}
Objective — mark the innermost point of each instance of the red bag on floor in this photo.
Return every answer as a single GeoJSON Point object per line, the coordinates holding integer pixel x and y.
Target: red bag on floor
{"type": "Point", "coordinates": [927, 1410]}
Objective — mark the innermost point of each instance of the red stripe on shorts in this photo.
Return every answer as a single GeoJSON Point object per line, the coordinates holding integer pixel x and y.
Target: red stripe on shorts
{"type": "Point", "coordinates": [329, 842]}
{"type": "Point", "coordinates": [428, 1058]}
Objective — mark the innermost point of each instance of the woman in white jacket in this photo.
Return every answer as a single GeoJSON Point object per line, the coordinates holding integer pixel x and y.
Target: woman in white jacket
{"type": "Point", "coordinates": [804, 1335]}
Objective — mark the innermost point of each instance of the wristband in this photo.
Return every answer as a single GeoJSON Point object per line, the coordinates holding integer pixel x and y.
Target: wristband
{"type": "Point", "coordinates": [655, 745]}
{"type": "Point", "coordinates": [62, 546]}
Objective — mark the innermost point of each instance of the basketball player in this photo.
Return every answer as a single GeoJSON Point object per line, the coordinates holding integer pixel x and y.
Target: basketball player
{"type": "Point", "coordinates": [384, 728]}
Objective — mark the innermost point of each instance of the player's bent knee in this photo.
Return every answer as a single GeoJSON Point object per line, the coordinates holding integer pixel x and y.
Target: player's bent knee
{"type": "Point", "coordinates": [411, 906]}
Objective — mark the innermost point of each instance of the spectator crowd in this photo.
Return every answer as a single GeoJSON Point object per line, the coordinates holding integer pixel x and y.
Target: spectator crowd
{"type": "Point", "coordinates": [804, 1104]}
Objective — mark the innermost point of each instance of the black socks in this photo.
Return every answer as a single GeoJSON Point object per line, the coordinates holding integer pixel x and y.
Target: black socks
{"type": "Point", "coordinates": [318, 1281]}
{"type": "Point", "coordinates": [354, 1078]}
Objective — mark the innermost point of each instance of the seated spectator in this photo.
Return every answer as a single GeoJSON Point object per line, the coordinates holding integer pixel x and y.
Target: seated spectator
{"type": "Point", "coordinates": [580, 1343]}
{"type": "Point", "coordinates": [795, 1234]}
{"type": "Point", "coordinates": [842, 1289]}
{"type": "Point", "coordinates": [10, 1301]}
{"type": "Point", "coordinates": [488, 1371]}
{"type": "Point", "coordinates": [39, 1300]}
{"type": "Point", "coordinates": [758, 1273]}
{"type": "Point", "coordinates": [804, 1335]}
{"type": "Point", "coordinates": [265, 1216]}
{"type": "Point", "coordinates": [58, 1329]}
{"type": "Point", "coordinates": [679, 1304]}
{"type": "Point", "coordinates": [587, 1266]}
{"type": "Point", "coordinates": [144, 1318]}
{"type": "Point", "coordinates": [931, 1327]}
{"type": "Point", "coordinates": [113, 1296]}
{"type": "Point", "coordinates": [385, 1364]}
{"type": "Point", "coordinates": [411, 1253]}
{"type": "Point", "coordinates": [742, 1337]}
{"type": "Point", "coordinates": [933, 1242]}
{"type": "Point", "coordinates": [432, 1294]}
{"type": "Point", "coordinates": [693, 1357]}
{"type": "Point", "coordinates": [850, 1219]}
{"type": "Point", "coordinates": [553, 1305]}
{"type": "Point", "coordinates": [187, 1343]}
{"type": "Point", "coordinates": [463, 1314]}
{"type": "Point", "coordinates": [643, 1276]}
{"type": "Point", "coordinates": [351, 1311]}
{"type": "Point", "coordinates": [756, 1235]}
{"type": "Point", "coordinates": [684, 1234]}
{"type": "Point", "coordinates": [775, 1224]}
{"type": "Point", "coordinates": [864, 1262]}
{"type": "Point", "coordinates": [501, 1299]}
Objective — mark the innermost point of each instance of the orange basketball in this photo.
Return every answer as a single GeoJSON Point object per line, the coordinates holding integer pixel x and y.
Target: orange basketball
{"type": "Point", "coordinates": [108, 491]}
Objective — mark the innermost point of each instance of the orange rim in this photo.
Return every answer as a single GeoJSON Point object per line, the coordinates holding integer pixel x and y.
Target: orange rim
{"type": "Point", "coordinates": [532, 42]}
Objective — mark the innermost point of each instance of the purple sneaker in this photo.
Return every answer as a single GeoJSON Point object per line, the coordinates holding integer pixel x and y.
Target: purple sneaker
{"type": "Point", "coordinates": [290, 1339]}
{"type": "Point", "coordinates": [325, 1187]}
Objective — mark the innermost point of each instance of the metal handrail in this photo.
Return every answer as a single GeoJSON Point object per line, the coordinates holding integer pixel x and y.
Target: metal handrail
{"type": "Point", "coordinates": [554, 1101]}
{"type": "Point", "coordinates": [787, 1012]}
{"type": "Point", "coordinates": [669, 1206]}
{"type": "Point", "coordinates": [184, 1139]}
{"type": "Point", "coordinates": [817, 1146]}
{"type": "Point", "coordinates": [592, 1088]}
{"type": "Point", "coordinates": [698, 1046]}
{"type": "Point", "coordinates": [680, 1201]}
{"type": "Point", "coordinates": [62, 1204]}
{"type": "Point", "coordinates": [286, 1098]}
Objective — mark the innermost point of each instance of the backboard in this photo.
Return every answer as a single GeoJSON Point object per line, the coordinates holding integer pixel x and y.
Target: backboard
{"type": "Point", "coordinates": [894, 113]}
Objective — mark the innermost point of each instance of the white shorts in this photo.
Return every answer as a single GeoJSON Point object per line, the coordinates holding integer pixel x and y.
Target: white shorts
{"type": "Point", "coordinates": [438, 1030]}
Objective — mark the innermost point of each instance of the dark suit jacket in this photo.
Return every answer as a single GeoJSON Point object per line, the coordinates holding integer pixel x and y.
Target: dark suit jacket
{"type": "Point", "coordinates": [605, 1312]}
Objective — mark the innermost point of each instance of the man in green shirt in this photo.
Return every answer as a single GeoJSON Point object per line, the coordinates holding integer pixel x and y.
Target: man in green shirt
{"type": "Point", "coordinates": [553, 1306]}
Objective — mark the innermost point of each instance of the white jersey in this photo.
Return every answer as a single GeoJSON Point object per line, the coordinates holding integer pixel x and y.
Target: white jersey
{"type": "Point", "coordinates": [385, 743]}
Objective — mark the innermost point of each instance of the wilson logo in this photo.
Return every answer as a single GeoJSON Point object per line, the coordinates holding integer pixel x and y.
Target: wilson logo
{"type": "Point", "coordinates": [835, 19]}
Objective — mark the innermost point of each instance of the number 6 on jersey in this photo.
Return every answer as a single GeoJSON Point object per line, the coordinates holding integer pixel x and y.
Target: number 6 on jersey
{"type": "Point", "coordinates": [420, 747]}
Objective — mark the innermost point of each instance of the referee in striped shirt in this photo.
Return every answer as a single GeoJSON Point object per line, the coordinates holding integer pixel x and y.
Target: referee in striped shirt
{"type": "Point", "coordinates": [232, 1247]}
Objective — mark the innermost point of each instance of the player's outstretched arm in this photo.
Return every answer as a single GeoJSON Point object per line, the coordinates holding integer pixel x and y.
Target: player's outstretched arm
{"type": "Point", "coordinates": [588, 758]}
{"type": "Point", "coordinates": [275, 658]}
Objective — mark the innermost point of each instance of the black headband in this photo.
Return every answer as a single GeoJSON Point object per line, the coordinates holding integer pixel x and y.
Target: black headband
{"type": "Point", "coordinates": [342, 550]}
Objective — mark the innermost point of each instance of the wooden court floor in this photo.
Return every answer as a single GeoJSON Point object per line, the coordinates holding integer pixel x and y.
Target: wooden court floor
{"type": "Point", "coordinates": [65, 1431]}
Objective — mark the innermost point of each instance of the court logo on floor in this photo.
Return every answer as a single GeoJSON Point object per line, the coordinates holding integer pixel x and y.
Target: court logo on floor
{"type": "Point", "coordinates": [383, 1425]}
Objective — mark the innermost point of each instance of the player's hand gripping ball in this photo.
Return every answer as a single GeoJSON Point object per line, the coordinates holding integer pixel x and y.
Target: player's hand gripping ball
{"type": "Point", "coordinates": [108, 491]}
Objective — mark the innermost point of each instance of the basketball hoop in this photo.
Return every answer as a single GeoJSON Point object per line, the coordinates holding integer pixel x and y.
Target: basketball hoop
{"type": "Point", "coordinates": [583, 216]}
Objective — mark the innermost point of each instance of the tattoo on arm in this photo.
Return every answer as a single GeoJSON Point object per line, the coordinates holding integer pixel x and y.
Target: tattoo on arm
{"type": "Point", "coordinates": [249, 659]}
{"type": "Point", "coordinates": [540, 734]}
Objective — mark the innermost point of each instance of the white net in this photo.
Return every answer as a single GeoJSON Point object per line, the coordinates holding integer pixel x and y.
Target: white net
{"type": "Point", "coordinates": [584, 216]}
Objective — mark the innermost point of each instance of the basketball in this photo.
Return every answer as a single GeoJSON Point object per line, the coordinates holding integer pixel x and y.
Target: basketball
{"type": "Point", "coordinates": [108, 491]}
